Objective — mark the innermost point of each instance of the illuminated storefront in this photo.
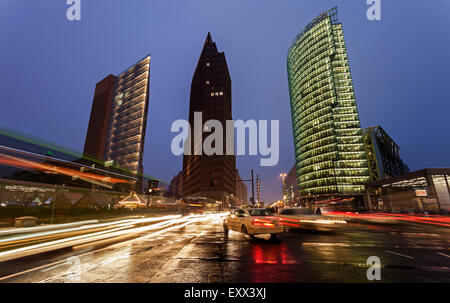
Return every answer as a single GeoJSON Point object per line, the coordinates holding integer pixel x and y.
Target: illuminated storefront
{"type": "Point", "coordinates": [426, 190]}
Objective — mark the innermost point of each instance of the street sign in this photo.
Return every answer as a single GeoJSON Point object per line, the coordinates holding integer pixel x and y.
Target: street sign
{"type": "Point", "coordinates": [421, 193]}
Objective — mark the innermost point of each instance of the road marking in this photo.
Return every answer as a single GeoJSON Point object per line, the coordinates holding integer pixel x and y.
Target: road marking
{"type": "Point", "coordinates": [442, 254]}
{"type": "Point", "coordinates": [325, 244]}
{"type": "Point", "coordinates": [173, 263]}
{"type": "Point", "coordinates": [406, 256]}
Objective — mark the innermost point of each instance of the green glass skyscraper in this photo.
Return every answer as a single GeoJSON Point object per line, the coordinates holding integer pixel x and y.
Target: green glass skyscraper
{"type": "Point", "coordinates": [329, 148]}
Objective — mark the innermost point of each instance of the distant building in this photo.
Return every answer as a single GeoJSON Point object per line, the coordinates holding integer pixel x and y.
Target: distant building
{"type": "Point", "coordinates": [382, 154]}
{"type": "Point", "coordinates": [329, 148]}
{"type": "Point", "coordinates": [175, 187]}
{"type": "Point", "coordinates": [241, 190]}
{"type": "Point", "coordinates": [213, 176]}
{"type": "Point", "coordinates": [117, 125]}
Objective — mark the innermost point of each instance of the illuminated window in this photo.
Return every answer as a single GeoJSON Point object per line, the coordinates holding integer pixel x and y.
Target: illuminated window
{"type": "Point", "coordinates": [212, 94]}
{"type": "Point", "coordinates": [207, 82]}
{"type": "Point", "coordinates": [221, 93]}
{"type": "Point", "coordinates": [208, 64]}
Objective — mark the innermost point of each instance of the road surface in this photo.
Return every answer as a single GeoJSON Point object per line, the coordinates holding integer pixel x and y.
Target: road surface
{"type": "Point", "coordinates": [195, 249]}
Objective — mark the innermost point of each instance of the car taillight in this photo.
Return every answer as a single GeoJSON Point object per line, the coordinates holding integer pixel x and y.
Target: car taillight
{"type": "Point", "coordinates": [289, 222]}
{"type": "Point", "coordinates": [262, 222]}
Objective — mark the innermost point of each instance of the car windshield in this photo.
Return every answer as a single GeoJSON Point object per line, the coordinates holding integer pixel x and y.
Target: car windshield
{"type": "Point", "coordinates": [258, 212]}
{"type": "Point", "coordinates": [297, 211]}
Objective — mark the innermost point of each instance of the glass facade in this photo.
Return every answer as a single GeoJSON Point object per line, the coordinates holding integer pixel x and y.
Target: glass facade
{"type": "Point", "coordinates": [126, 132]}
{"type": "Point", "coordinates": [329, 148]}
{"type": "Point", "coordinates": [442, 186]}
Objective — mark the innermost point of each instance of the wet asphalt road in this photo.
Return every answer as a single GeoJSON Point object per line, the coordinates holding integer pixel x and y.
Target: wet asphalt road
{"type": "Point", "coordinates": [201, 252]}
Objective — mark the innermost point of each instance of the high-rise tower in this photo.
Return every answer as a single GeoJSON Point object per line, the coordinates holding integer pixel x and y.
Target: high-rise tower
{"type": "Point", "coordinates": [210, 176]}
{"type": "Point", "coordinates": [117, 126]}
{"type": "Point", "coordinates": [328, 141]}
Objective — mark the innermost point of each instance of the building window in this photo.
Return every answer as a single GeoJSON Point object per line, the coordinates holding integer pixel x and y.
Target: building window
{"type": "Point", "coordinates": [221, 93]}
{"type": "Point", "coordinates": [208, 64]}
{"type": "Point", "coordinates": [207, 82]}
{"type": "Point", "coordinates": [212, 94]}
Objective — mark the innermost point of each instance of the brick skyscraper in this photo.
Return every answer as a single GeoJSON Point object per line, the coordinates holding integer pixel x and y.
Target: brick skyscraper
{"type": "Point", "coordinates": [210, 176]}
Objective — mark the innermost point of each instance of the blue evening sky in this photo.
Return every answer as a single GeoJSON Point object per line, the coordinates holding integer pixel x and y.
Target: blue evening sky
{"type": "Point", "coordinates": [49, 67]}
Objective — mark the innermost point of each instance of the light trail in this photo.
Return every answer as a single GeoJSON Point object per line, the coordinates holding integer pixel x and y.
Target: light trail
{"type": "Point", "coordinates": [386, 217]}
{"type": "Point", "coordinates": [29, 164]}
{"type": "Point", "coordinates": [10, 241]}
{"type": "Point", "coordinates": [116, 230]}
{"type": "Point", "coordinates": [46, 227]}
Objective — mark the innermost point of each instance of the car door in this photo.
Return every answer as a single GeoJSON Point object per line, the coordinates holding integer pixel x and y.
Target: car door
{"type": "Point", "coordinates": [240, 219]}
{"type": "Point", "coordinates": [232, 220]}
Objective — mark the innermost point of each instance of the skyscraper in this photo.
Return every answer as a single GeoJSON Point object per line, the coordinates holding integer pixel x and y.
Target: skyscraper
{"type": "Point", "coordinates": [329, 148]}
{"type": "Point", "coordinates": [210, 176]}
{"type": "Point", "coordinates": [117, 126]}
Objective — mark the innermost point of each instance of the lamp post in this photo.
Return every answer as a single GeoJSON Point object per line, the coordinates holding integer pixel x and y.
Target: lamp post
{"type": "Point", "coordinates": [283, 176]}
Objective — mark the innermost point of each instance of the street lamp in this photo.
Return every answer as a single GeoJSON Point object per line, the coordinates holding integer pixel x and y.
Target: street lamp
{"type": "Point", "coordinates": [283, 176]}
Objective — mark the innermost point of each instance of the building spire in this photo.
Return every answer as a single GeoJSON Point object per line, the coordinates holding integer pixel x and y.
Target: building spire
{"type": "Point", "coordinates": [208, 39]}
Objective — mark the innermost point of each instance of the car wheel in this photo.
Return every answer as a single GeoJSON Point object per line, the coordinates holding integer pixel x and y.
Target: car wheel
{"type": "Point", "coordinates": [225, 228]}
{"type": "Point", "coordinates": [244, 230]}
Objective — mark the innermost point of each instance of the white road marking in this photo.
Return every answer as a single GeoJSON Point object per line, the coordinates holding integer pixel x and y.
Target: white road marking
{"type": "Point", "coordinates": [406, 256]}
{"type": "Point", "coordinates": [325, 244]}
{"type": "Point", "coordinates": [442, 254]}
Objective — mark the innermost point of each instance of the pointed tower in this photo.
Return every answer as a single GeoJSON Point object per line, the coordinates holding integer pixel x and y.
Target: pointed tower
{"type": "Point", "coordinates": [210, 176]}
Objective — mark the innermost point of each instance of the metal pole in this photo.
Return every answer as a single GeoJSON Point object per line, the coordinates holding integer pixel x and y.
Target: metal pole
{"type": "Point", "coordinates": [258, 188]}
{"type": "Point", "coordinates": [53, 206]}
{"type": "Point", "coordinates": [369, 199]}
{"type": "Point", "coordinates": [432, 190]}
